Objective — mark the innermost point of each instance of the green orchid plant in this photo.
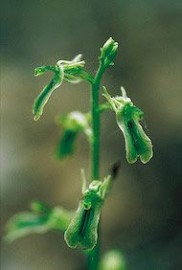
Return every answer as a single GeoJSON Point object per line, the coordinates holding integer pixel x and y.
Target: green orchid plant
{"type": "Point", "coordinates": [81, 226]}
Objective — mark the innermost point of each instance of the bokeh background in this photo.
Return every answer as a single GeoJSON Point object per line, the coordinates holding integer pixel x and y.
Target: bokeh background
{"type": "Point", "coordinates": [142, 215]}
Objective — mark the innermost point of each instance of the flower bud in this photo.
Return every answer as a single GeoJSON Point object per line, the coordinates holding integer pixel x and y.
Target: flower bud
{"type": "Point", "coordinates": [108, 52]}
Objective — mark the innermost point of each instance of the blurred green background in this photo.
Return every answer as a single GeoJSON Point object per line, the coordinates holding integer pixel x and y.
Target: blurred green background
{"type": "Point", "coordinates": [142, 215]}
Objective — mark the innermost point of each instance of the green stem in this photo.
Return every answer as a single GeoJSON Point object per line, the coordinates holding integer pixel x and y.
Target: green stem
{"type": "Point", "coordinates": [93, 256]}
{"type": "Point", "coordinates": [95, 148]}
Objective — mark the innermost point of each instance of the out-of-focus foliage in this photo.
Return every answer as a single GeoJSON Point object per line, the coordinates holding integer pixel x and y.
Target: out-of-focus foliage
{"type": "Point", "coordinates": [72, 123]}
{"type": "Point", "coordinates": [40, 219]}
{"type": "Point", "coordinates": [113, 260]}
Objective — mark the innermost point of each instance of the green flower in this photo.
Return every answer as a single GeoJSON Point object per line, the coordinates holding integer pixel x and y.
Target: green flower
{"type": "Point", "coordinates": [83, 228]}
{"type": "Point", "coordinates": [71, 71]}
{"type": "Point", "coordinates": [73, 123]}
{"type": "Point", "coordinates": [137, 143]}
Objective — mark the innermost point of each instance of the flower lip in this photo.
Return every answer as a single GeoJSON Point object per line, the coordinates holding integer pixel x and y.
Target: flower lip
{"type": "Point", "coordinates": [108, 52]}
{"type": "Point", "coordinates": [133, 135]}
{"type": "Point", "coordinates": [85, 221]}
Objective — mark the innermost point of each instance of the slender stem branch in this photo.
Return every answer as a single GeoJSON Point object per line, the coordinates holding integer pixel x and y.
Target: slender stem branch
{"type": "Point", "coordinates": [93, 257]}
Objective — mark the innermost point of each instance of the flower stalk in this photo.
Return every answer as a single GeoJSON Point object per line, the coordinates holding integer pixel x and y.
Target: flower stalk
{"type": "Point", "coordinates": [108, 53]}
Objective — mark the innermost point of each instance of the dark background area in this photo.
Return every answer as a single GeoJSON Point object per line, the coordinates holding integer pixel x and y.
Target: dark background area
{"type": "Point", "coordinates": [142, 215]}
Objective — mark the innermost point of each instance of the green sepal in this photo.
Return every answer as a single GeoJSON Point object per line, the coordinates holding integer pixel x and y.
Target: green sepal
{"type": "Point", "coordinates": [137, 143]}
{"type": "Point", "coordinates": [73, 123]}
{"type": "Point", "coordinates": [39, 220]}
{"type": "Point", "coordinates": [45, 94]}
{"type": "Point", "coordinates": [83, 229]}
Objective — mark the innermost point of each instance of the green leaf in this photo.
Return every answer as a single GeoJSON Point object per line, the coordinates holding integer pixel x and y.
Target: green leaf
{"type": "Point", "coordinates": [45, 94]}
{"type": "Point", "coordinates": [40, 220]}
